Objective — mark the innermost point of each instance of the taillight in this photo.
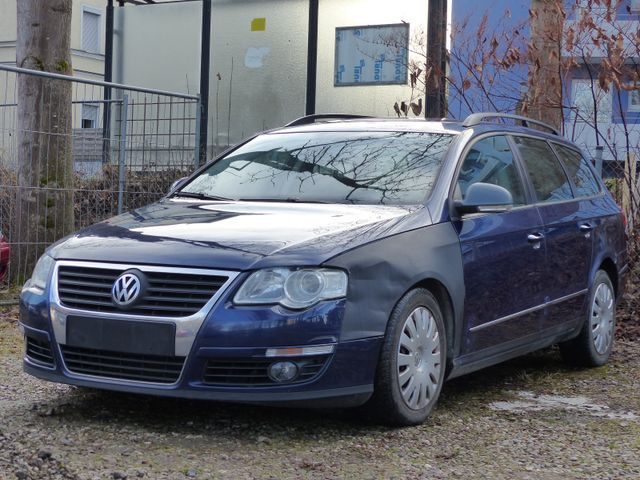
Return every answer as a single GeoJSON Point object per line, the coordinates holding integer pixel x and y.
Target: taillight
{"type": "Point", "coordinates": [5, 251]}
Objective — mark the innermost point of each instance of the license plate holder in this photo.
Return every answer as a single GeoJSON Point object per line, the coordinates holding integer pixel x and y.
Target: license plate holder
{"type": "Point", "coordinates": [122, 336]}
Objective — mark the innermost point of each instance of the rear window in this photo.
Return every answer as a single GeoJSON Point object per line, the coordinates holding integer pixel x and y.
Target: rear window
{"type": "Point", "coordinates": [391, 168]}
{"type": "Point", "coordinates": [549, 181]}
{"type": "Point", "coordinates": [584, 180]}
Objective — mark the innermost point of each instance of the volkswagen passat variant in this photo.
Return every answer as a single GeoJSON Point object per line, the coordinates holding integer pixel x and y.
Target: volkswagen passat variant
{"type": "Point", "coordinates": [339, 262]}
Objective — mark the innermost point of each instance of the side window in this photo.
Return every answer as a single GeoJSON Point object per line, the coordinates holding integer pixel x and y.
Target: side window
{"type": "Point", "coordinates": [576, 166]}
{"type": "Point", "coordinates": [490, 160]}
{"type": "Point", "coordinates": [547, 176]}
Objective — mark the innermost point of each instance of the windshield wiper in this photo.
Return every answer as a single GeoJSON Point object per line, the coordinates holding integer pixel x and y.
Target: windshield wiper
{"type": "Point", "coordinates": [280, 200]}
{"type": "Point", "coordinates": [199, 196]}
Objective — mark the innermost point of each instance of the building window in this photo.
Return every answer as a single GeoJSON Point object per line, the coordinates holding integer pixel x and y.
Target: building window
{"type": "Point", "coordinates": [91, 29]}
{"type": "Point", "coordinates": [634, 100]}
{"type": "Point", "coordinates": [590, 7]}
{"type": "Point", "coordinates": [635, 6]}
{"type": "Point", "coordinates": [373, 55]}
{"type": "Point", "coordinates": [588, 99]}
{"type": "Point", "coordinates": [90, 115]}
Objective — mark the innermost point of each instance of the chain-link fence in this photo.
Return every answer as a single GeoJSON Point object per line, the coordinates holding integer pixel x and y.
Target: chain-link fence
{"type": "Point", "coordinates": [76, 151]}
{"type": "Point", "coordinates": [623, 180]}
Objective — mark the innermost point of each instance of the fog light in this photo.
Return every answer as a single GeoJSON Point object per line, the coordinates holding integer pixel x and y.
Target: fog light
{"type": "Point", "coordinates": [282, 372]}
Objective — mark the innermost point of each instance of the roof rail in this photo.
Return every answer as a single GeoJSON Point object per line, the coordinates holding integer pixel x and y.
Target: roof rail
{"type": "Point", "coordinates": [477, 118]}
{"type": "Point", "coordinates": [309, 119]}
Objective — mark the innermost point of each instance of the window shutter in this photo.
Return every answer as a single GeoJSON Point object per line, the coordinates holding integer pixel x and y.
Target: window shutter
{"type": "Point", "coordinates": [89, 116]}
{"type": "Point", "coordinates": [90, 32]}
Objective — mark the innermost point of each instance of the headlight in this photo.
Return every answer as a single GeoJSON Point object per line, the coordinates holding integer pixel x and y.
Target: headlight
{"type": "Point", "coordinates": [292, 288]}
{"type": "Point", "coordinates": [41, 272]}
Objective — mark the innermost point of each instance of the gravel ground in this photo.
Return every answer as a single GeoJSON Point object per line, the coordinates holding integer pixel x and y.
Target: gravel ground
{"type": "Point", "coordinates": [531, 418]}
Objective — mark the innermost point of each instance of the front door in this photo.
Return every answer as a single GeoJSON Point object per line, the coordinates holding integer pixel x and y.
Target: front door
{"type": "Point", "coordinates": [503, 254]}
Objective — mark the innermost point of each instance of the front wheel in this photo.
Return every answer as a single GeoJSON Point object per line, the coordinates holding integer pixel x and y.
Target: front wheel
{"type": "Point", "coordinates": [592, 347]}
{"type": "Point", "coordinates": [411, 368]}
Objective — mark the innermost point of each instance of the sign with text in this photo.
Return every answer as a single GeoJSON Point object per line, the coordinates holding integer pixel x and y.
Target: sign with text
{"type": "Point", "coordinates": [372, 55]}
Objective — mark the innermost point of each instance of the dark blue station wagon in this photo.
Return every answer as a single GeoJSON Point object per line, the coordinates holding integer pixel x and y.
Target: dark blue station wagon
{"type": "Point", "coordinates": [339, 262]}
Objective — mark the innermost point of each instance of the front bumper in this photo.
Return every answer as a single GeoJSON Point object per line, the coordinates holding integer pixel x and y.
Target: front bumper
{"type": "Point", "coordinates": [231, 333]}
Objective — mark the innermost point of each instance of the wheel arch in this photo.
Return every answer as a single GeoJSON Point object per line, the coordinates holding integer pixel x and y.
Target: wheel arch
{"type": "Point", "coordinates": [608, 265]}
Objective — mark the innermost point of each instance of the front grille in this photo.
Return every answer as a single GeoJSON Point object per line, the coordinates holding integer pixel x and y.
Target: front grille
{"type": "Point", "coordinates": [122, 366]}
{"type": "Point", "coordinates": [39, 351]}
{"type": "Point", "coordinates": [254, 372]}
{"type": "Point", "coordinates": [169, 294]}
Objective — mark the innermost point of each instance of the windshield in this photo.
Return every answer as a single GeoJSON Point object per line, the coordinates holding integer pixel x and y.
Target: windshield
{"type": "Point", "coordinates": [391, 168]}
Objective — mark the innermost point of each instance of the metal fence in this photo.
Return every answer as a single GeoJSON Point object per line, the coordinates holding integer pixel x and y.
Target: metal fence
{"type": "Point", "coordinates": [125, 150]}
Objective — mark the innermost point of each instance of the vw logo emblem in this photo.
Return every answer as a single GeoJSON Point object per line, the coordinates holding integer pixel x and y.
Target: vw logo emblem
{"type": "Point", "coordinates": [126, 289]}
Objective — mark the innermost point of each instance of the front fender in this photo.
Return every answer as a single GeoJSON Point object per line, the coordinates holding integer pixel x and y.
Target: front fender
{"type": "Point", "coordinates": [381, 272]}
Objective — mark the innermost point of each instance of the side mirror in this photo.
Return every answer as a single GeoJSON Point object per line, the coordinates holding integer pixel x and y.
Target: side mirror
{"type": "Point", "coordinates": [177, 184]}
{"type": "Point", "coordinates": [485, 198]}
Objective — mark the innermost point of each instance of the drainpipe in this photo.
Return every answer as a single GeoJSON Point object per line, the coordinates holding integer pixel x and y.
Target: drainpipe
{"type": "Point", "coordinates": [205, 65]}
{"type": "Point", "coordinates": [599, 160]}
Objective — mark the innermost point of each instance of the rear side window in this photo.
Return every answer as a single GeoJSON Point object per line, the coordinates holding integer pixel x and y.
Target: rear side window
{"type": "Point", "coordinates": [584, 181]}
{"type": "Point", "coordinates": [549, 181]}
{"type": "Point", "coordinates": [490, 160]}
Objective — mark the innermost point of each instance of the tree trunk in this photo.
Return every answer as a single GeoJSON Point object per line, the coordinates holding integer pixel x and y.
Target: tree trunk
{"type": "Point", "coordinates": [544, 99]}
{"type": "Point", "coordinates": [44, 207]}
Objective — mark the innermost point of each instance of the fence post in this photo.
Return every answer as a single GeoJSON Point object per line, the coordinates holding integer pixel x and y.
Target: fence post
{"type": "Point", "coordinates": [628, 187]}
{"type": "Point", "coordinates": [123, 147]}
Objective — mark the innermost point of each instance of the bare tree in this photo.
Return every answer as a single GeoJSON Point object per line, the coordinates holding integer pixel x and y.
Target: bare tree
{"type": "Point", "coordinates": [44, 208]}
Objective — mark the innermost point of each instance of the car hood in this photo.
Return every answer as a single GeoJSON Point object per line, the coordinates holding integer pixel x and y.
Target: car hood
{"type": "Point", "coordinates": [236, 235]}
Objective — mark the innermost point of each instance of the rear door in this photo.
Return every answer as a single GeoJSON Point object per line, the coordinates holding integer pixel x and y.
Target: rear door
{"type": "Point", "coordinates": [568, 233]}
{"type": "Point", "coordinates": [503, 253]}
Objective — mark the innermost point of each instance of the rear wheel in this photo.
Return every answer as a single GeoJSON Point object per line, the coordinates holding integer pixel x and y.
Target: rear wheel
{"type": "Point", "coordinates": [412, 362]}
{"type": "Point", "coordinates": [592, 347]}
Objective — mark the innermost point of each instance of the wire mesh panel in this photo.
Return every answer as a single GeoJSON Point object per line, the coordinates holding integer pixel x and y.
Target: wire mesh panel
{"type": "Point", "coordinates": [70, 158]}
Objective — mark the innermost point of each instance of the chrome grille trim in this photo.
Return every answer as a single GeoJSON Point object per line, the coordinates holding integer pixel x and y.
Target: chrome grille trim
{"type": "Point", "coordinates": [167, 295]}
{"type": "Point", "coordinates": [186, 327]}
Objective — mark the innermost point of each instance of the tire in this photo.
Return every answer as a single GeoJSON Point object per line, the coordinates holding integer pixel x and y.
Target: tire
{"type": "Point", "coordinates": [413, 350]}
{"type": "Point", "coordinates": [592, 347]}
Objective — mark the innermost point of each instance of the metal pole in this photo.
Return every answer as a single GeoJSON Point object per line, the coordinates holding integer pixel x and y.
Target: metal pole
{"type": "Point", "coordinates": [205, 60]}
{"type": "Point", "coordinates": [196, 155]}
{"type": "Point", "coordinates": [312, 57]}
{"type": "Point", "coordinates": [87, 81]}
{"type": "Point", "coordinates": [123, 149]}
{"type": "Point", "coordinates": [108, 77]}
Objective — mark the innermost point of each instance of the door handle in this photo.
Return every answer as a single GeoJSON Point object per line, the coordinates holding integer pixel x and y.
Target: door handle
{"type": "Point", "coordinates": [535, 237]}
{"type": "Point", "coordinates": [586, 227]}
